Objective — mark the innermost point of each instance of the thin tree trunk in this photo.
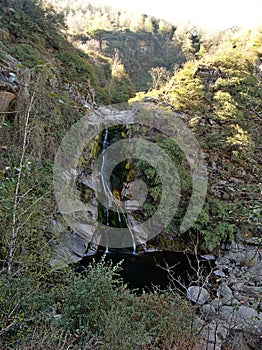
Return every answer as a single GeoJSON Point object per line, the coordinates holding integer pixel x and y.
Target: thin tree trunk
{"type": "Point", "coordinates": [14, 227]}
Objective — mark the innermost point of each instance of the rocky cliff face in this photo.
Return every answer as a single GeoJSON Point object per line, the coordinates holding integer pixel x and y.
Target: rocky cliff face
{"type": "Point", "coordinates": [84, 234]}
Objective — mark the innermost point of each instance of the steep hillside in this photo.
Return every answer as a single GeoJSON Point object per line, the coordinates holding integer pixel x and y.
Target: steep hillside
{"type": "Point", "coordinates": [33, 35]}
{"type": "Point", "coordinates": [219, 96]}
{"type": "Point", "coordinates": [139, 41]}
{"type": "Point", "coordinates": [46, 85]}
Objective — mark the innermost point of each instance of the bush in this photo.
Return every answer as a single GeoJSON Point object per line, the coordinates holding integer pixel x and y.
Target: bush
{"type": "Point", "coordinates": [23, 305]}
{"type": "Point", "coordinates": [97, 303]}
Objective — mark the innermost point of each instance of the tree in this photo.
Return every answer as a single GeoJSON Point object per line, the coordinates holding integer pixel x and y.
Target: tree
{"type": "Point", "coordinates": [159, 76]}
{"type": "Point", "coordinates": [187, 92]}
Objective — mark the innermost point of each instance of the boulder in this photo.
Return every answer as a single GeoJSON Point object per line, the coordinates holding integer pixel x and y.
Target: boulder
{"type": "Point", "coordinates": [5, 100]}
{"type": "Point", "coordinates": [198, 295]}
{"type": "Point", "coordinates": [226, 293]}
{"type": "Point", "coordinates": [246, 314]}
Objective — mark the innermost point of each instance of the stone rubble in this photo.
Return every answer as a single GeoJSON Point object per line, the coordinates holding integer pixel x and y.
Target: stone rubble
{"type": "Point", "coordinates": [233, 318]}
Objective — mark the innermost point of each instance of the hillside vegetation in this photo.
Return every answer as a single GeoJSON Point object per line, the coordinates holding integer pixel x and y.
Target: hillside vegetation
{"type": "Point", "coordinates": [219, 97]}
{"type": "Point", "coordinates": [59, 64]}
{"type": "Point", "coordinates": [139, 41]}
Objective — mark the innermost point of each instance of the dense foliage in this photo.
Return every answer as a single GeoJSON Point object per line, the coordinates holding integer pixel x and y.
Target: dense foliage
{"type": "Point", "coordinates": [141, 41]}
{"type": "Point", "coordinates": [33, 35]}
{"type": "Point", "coordinates": [219, 96]}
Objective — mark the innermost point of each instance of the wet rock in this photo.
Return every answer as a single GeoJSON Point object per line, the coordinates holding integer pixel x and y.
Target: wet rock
{"type": "Point", "coordinates": [92, 249]}
{"type": "Point", "coordinates": [198, 295]}
{"type": "Point", "coordinates": [69, 248]}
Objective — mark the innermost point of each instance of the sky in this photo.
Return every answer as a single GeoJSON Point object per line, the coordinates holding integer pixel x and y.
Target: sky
{"type": "Point", "coordinates": [211, 14]}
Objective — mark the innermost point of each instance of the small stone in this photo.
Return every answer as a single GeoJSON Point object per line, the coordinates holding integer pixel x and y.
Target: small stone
{"type": "Point", "coordinates": [219, 273]}
{"type": "Point", "coordinates": [223, 261]}
{"type": "Point", "coordinates": [251, 283]}
{"type": "Point", "coordinates": [227, 312]}
{"type": "Point", "coordinates": [227, 300]}
{"type": "Point", "coordinates": [224, 291]}
{"type": "Point", "coordinates": [208, 257]}
{"type": "Point", "coordinates": [239, 286]}
{"type": "Point", "coordinates": [216, 303]}
{"type": "Point", "coordinates": [198, 295]}
{"type": "Point", "coordinates": [208, 311]}
{"type": "Point", "coordinates": [255, 292]}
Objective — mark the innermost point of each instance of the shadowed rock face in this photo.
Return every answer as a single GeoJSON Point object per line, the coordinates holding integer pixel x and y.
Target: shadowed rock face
{"type": "Point", "coordinates": [82, 216]}
{"type": "Point", "coordinates": [72, 244]}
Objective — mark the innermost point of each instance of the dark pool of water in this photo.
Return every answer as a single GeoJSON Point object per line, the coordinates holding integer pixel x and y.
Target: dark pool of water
{"type": "Point", "coordinates": [144, 270]}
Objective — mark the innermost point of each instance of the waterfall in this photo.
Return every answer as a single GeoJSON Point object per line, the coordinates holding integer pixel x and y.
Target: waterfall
{"type": "Point", "coordinates": [131, 233]}
{"type": "Point", "coordinates": [105, 188]}
{"type": "Point", "coordinates": [121, 217]}
{"type": "Point", "coordinates": [134, 242]}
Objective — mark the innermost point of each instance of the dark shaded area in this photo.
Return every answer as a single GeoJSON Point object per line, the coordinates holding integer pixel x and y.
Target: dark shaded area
{"type": "Point", "coordinates": [145, 270]}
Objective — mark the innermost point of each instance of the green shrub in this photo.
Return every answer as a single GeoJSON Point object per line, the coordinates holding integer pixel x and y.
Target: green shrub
{"type": "Point", "coordinates": [98, 304]}
{"type": "Point", "coordinates": [26, 54]}
{"type": "Point", "coordinates": [23, 305]}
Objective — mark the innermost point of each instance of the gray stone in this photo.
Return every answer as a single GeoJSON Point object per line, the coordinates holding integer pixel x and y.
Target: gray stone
{"type": "Point", "coordinates": [68, 248]}
{"type": "Point", "coordinates": [87, 181]}
{"type": "Point", "coordinates": [227, 313]}
{"type": "Point", "coordinates": [251, 283]}
{"type": "Point", "coordinates": [213, 334]}
{"type": "Point", "coordinates": [216, 303]}
{"type": "Point", "coordinates": [224, 291]}
{"type": "Point", "coordinates": [219, 273]}
{"type": "Point", "coordinates": [255, 292]}
{"type": "Point", "coordinates": [198, 295]}
{"type": "Point", "coordinates": [208, 257]}
{"type": "Point", "coordinates": [223, 261]}
{"type": "Point", "coordinates": [246, 314]}
{"type": "Point", "coordinates": [208, 311]}
{"type": "Point", "coordinates": [227, 300]}
{"type": "Point", "coordinates": [239, 286]}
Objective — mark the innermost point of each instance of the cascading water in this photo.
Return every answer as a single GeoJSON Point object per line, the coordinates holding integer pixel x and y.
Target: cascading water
{"type": "Point", "coordinates": [121, 219]}
{"type": "Point", "coordinates": [106, 210]}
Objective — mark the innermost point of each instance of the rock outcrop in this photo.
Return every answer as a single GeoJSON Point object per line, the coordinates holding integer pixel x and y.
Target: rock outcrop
{"type": "Point", "coordinates": [73, 243]}
{"type": "Point", "coordinates": [9, 67]}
